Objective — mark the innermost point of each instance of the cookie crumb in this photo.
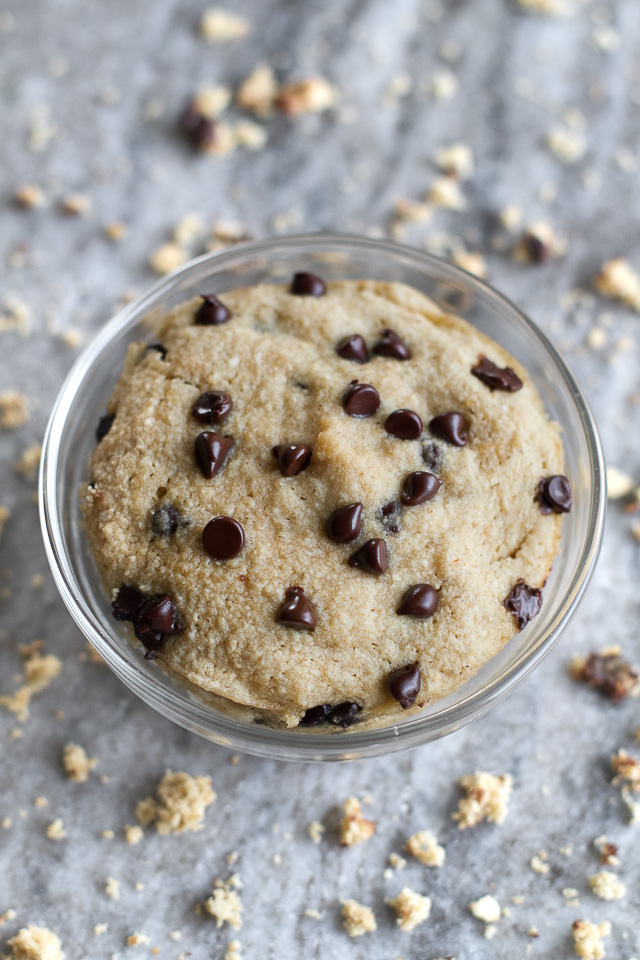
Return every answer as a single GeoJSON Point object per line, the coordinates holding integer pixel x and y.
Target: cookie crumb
{"type": "Point", "coordinates": [258, 91]}
{"type": "Point", "coordinates": [13, 410]}
{"type": "Point", "coordinates": [220, 26]}
{"type": "Point", "coordinates": [7, 916]}
{"type": "Point", "coordinates": [425, 848]}
{"type": "Point", "coordinates": [608, 851]}
{"type": "Point", "coordinates": [443, 85]}
{"type": "Point", "coordinates": [411, 907]}
{"type": "Point", "coordinates": [396, 862]}
{"type": "Point", "coordinates": [35, 943]}
{"type": "Point", "coordinates": [626, 769]}
{"type": "Point", "coordinates": [76, 204]}
{"type": "Point", "coordinates": [27, 465]}
{"type": "Point", "coordinates": [108, 834]}
{"type": "Point", "coordinates": [569, 145]}
{"type": "Point", "coordinates": [587, 939]}
{"type": "Point", "coordinates": [210, 101]}
{"type": "Point", "coordinates": [314, 914]}
{"type": "Point", "coordinates": [538, 863]}
{"type": "Point", "coordinates": [100, 928]}
{"type": "Point", "coordinates": [486, 798]}
{"type": "Point", "coordinates": [607, 672]}
{"type": "Point", "coordinates": [76, 763]}
{"type": "Point", "coordinates": [607, 886]}
{"type": "Point", "coordinates": [486, 909]}
{"type": "Point", "coordinates": [137, 940]}
{"type": "Point", "coordinates": [457, 160]}
{"type": "Point", "coordinates": [15, 316]}
{"type": "Point", "coordinates": [617, 279]}
{"type": "Point", "coordinates": [175, 935]}
{"type": "Point", "coordinates": [571, 895]}
{"type": "Point", "coordinates": [353, 827]}
{"type": "Point", "coordinates": [5, 513]}
{"type": "Point", "coordinates": [445, 192]}
{"type": "Point", "coordinates": [312, 95]}
{"type": "Point", "coordinates": [116, 231]}
{"type": "Point", "coordinates": [619, 484]}
{"type": "Point", "coordinates": [29, 196]}
{"type": "Point", "coordinates": [112, 888]}
{"type": "Point", "coordinates": [181, 805]}
{"type": "Point", "coordinates": [539, 243]}
{"type": "Point", "coordinates": [56, 830]}
{"type": "Point", "coordinates": [41, 802]}
{"type": "Point", "coordinates": [474, 263]}
{"type": "Point", "coordinates": [316, 830]}
{"type": "Point", "coordinates": [39, 672]}
{"type": "Point", "coordinates": [225, 905]}
{"type": "Point", "coordinates": [547, 8]}
{"type": "Point", "coordinates": [133, 835]}
{"type": "Point", "coordinates": [167, 257]}
{"type": "Point", "coordinates": [357, 919]}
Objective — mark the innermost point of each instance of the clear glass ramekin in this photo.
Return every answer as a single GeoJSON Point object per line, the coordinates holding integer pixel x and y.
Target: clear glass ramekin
{"type": "Point", "coordinates": [70, 438]}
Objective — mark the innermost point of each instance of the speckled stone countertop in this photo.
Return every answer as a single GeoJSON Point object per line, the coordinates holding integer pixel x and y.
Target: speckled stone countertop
{"type": "Point", "coordinates": [89, 97]}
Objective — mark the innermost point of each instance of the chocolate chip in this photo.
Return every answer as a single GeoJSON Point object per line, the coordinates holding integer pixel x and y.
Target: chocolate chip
{"type": "Point", "coordinates": [165, 520]}
{"type": "Point", "coordinates": [419, 487]}
{"type": "Point", "coordinates": [199, 130]}
{"type": "Point", "coordinates": [536, 249]}
{"type": "Point", "coordinates": [405, 683]}
{"type": "Point", "coordinates": [344, 714]}
{"type": "Point", "coordinates": [360, 399]}
{"type": "Point", "coordinates": [450, 427]}
{"type": "Point", "coordinates": [223, 538]}
{"type": "Point", "coordinates": [372, 557]}
{"type": "Point", "coordinates": [496, 378]}
{"type": "Point", "coordinates": [158, 348]}
{"type": "Point", "coordinates": [316, 716]}
{"type": "Point", "coordinates": [157, 619]}
{"type": "Point", "coordinates": [296, 610]}
{"type": "Point", "coordinates": [420, 600]}
{"type": "Point", "coordinates": [353, 348]}
{"type": "Point", "coordinates": [390, 513]}
{"type": "Point", "coordinates": [610, 673]}
{"type": "Point", "coordinates": [127, 603]}
{"type": "Point", "coordinates": [554, 494]}
{"type": "Point", "coordinates": [344, 524]}
{"type": "Point", "coordinates": [292, 457]}
{"type": "Point", "coordinates": [211, 312]}
{"type": "Point", "coordinates": [523, 602]}
{"type": "Point", "coordinates": [404, 424]}
{"type": "Point", "coordinates": [307, 285]}
{"type": "Point", "coordinates": [104, 425]}
{"type": "Point", "coordinates": [211, 451]}
{"type": "Point", "coordinates": [431, 456]}
{"type": "Point", "coordinates": [212, 407]}
{"type": "Point", "coordinates": [391, 345]}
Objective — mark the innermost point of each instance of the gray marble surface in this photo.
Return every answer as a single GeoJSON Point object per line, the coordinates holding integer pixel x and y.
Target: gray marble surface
{"type": "Point", "coordinates": [517, 76]}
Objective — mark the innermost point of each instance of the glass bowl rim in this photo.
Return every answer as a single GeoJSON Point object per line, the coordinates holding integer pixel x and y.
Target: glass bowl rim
{"type": "Point", "coordinates": [295, 744]}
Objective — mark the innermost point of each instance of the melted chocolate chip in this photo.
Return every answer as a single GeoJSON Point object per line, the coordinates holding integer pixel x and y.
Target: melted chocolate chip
{"type": "Point", "coordinates": [610, 673]}
{"type": "Point", "coordinates": [199, 130]}
{"type": "Point", "coordinates": [223, 538]}
{"type": "Point", "coordinates": [165, 520]}
{"type": "Point", "coordinates": [296, 611]}
{"type": "Point", "coordinates": [127, 603]}
{"type": "Point", "coordinates": [158, 348]}
{"type": "Point", "coordinates": [431, 456]}
{"type": "Point", "coordinates": [292, 457]}
{"type": "Point", "coordinates": [419, 487]}
{"type": "Point", "coordinates": [307, 285]}
{"type": "Point", "coordinates": [156, 620]}
{"type": "Point", "coordinates": [420, 600]}
{"type": "Point", "coordinates": [372, 557]}
{"type": "Point", "coordinates": [211, 451]}
{"type": "Point", "coordinates": [390, 513]}
{"type": "Point", "coordinates": [495, 377]}
{"type": "Point", "coordinates": [212, 407]}
{"type": "Point", "coordinates": [450, 427]}
{"type": "Point", "coordinates": [316, 716]}
{"type": "Point", "coordinates": [360, 399]}
{"type": "Point", "coordinates": [353, 348]}
{"type": "Point", "coordinates": [344, 524]}
{"type": "Point", "coordinates": [211, 312]}
{"type": "Point", "coordinates": [344, 714]}
{"type": "Point", "coordinates": [524, 602]}
{"type": "Point", "coordinates": [554, 495]}
{"type": "Point", "coordinates": [404, 424]}
{"type": "Point", "coordinates": [104, 425]}
{"type": "Point", "coordinates": [405, 683]}
{"type": "Point", "coordinates": [391, 345]}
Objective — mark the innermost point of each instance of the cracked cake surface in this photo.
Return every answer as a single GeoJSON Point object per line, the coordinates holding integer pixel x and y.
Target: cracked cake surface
{"type": "Point", "coordinates": [297, 543]}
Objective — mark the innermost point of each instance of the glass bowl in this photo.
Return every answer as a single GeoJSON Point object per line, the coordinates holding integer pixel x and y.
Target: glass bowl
{"type": "Point", "coordinates": [70, 437]}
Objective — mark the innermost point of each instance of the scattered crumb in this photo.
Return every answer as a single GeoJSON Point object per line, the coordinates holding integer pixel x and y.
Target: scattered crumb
{"type": "Point", "coordinates": [41, 802]}
{"type": "Point", "coordinates": [444, 85]}
{"type": "Point", "coordinates": [626, 769]}
{"type": "Point", "coordinates": [357, 919]}
{"type": "Point", "coordinates": [42, 129]}
{"type": "Point", "coordinates": [112, 888]}
{"type": "Point", "coordinates": [487, 798]}
{"type": "Point", "coordinates": [76, 763]}
{"type": "Point", "coordinates": [188, 230]}
{"type": "Point", "coordinates": [539, 243]}
{"type": "Point", "coordinates": [212, 100]}
{"type": "Point", "coordinates": [250, 135]}
{"type": "Point", "coordinates": [445, 192]}
{"type": "Point", "coordinates": [5, 513]}
{"type": "Point", "coordinates": [353, 827]}
{"type": "Point", "coordinates": [13, 410]}
{"type": "Point", "coordinates": [548, 8]}
{"type": "Point", "coordinates": [587, 939]}
{"type": "Point", "coordinates": [133, 835]}
{"type": "Point", "coordinates": [538, 863]}
{"type": "Point", "coordinates": [220, 26]}
{"type": "Point", "coordinates": [312, 95]}
{"type": "Point", "coordinates": [175, 935]}
{"type": "Point", "coordinates": [608, 672]}
{"type": "Point", "coordinates": [181, 805]}
{"type": "Point", "coordinates": [510, 217]}
{"type": "Point", "coordinates": [257, 93]}
{"type": "Point", "coordinates": [396, 862]}
{"type": "Point", "coordinates": [167, 257]}
{"type": "Point", "coordinates": [567, 143]}
{"type": "Point", "coordinates": [29, 196]}
{"type": "Point", "coordinates": [137, 940]}
{"type": "Point", "coordinates": [425, 848]}
{"type": "Point", "coordinates": [16, 316]}
{"type": "Point", "coordinates": [100, 928]}
{"type": "Point", "coordinates": [411, 907]}
{"type": "Point", "coordinates": [225, 905]}
{"type": "Point", "coordinates": [35, 943]}
{"type": "Point", "coordinates": [6, 823]}
{"type": "Point", "coordinates": [27, 465]}
{"type": "Point", "coordinates": [315, 831]}
{"type": "Point", "coordinates": [116, 231]}
{"type": "Point", "coordinates": [607, 886]}
{"type": "Point", "coordinates": [56, 830]}
{"type": "Point", "coordinates": [619, 484]}
{"type": "Point", "coordinates": [76, 204]}
{"type": "Point", "coordinates": [571, 895]}
{"type": "Point", "coordinates": [608, 851]}
{"type": "Point", "coordinates": [39, 672]}
{"type": "Point", "coordinates": [233, 951]}
{"type": "Point", "coordinates": [626, 160]}
{"type": "Point", "coordinates": [596, 338]}
{"type": "Point", "coordinates": [486, 909]}
{"type": "Point", "coordinates": [314, 914]}
{"type": "Point", "coordinates": [618, 279]}
{"type": "Point", "coordinates": [473, 263]}
{"type": "Point", "coordinates": [7, 916]}
{"type": "Point", "coordinates": [457, 160]}
{"type": "Point", "coordinates": [108, 834]}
